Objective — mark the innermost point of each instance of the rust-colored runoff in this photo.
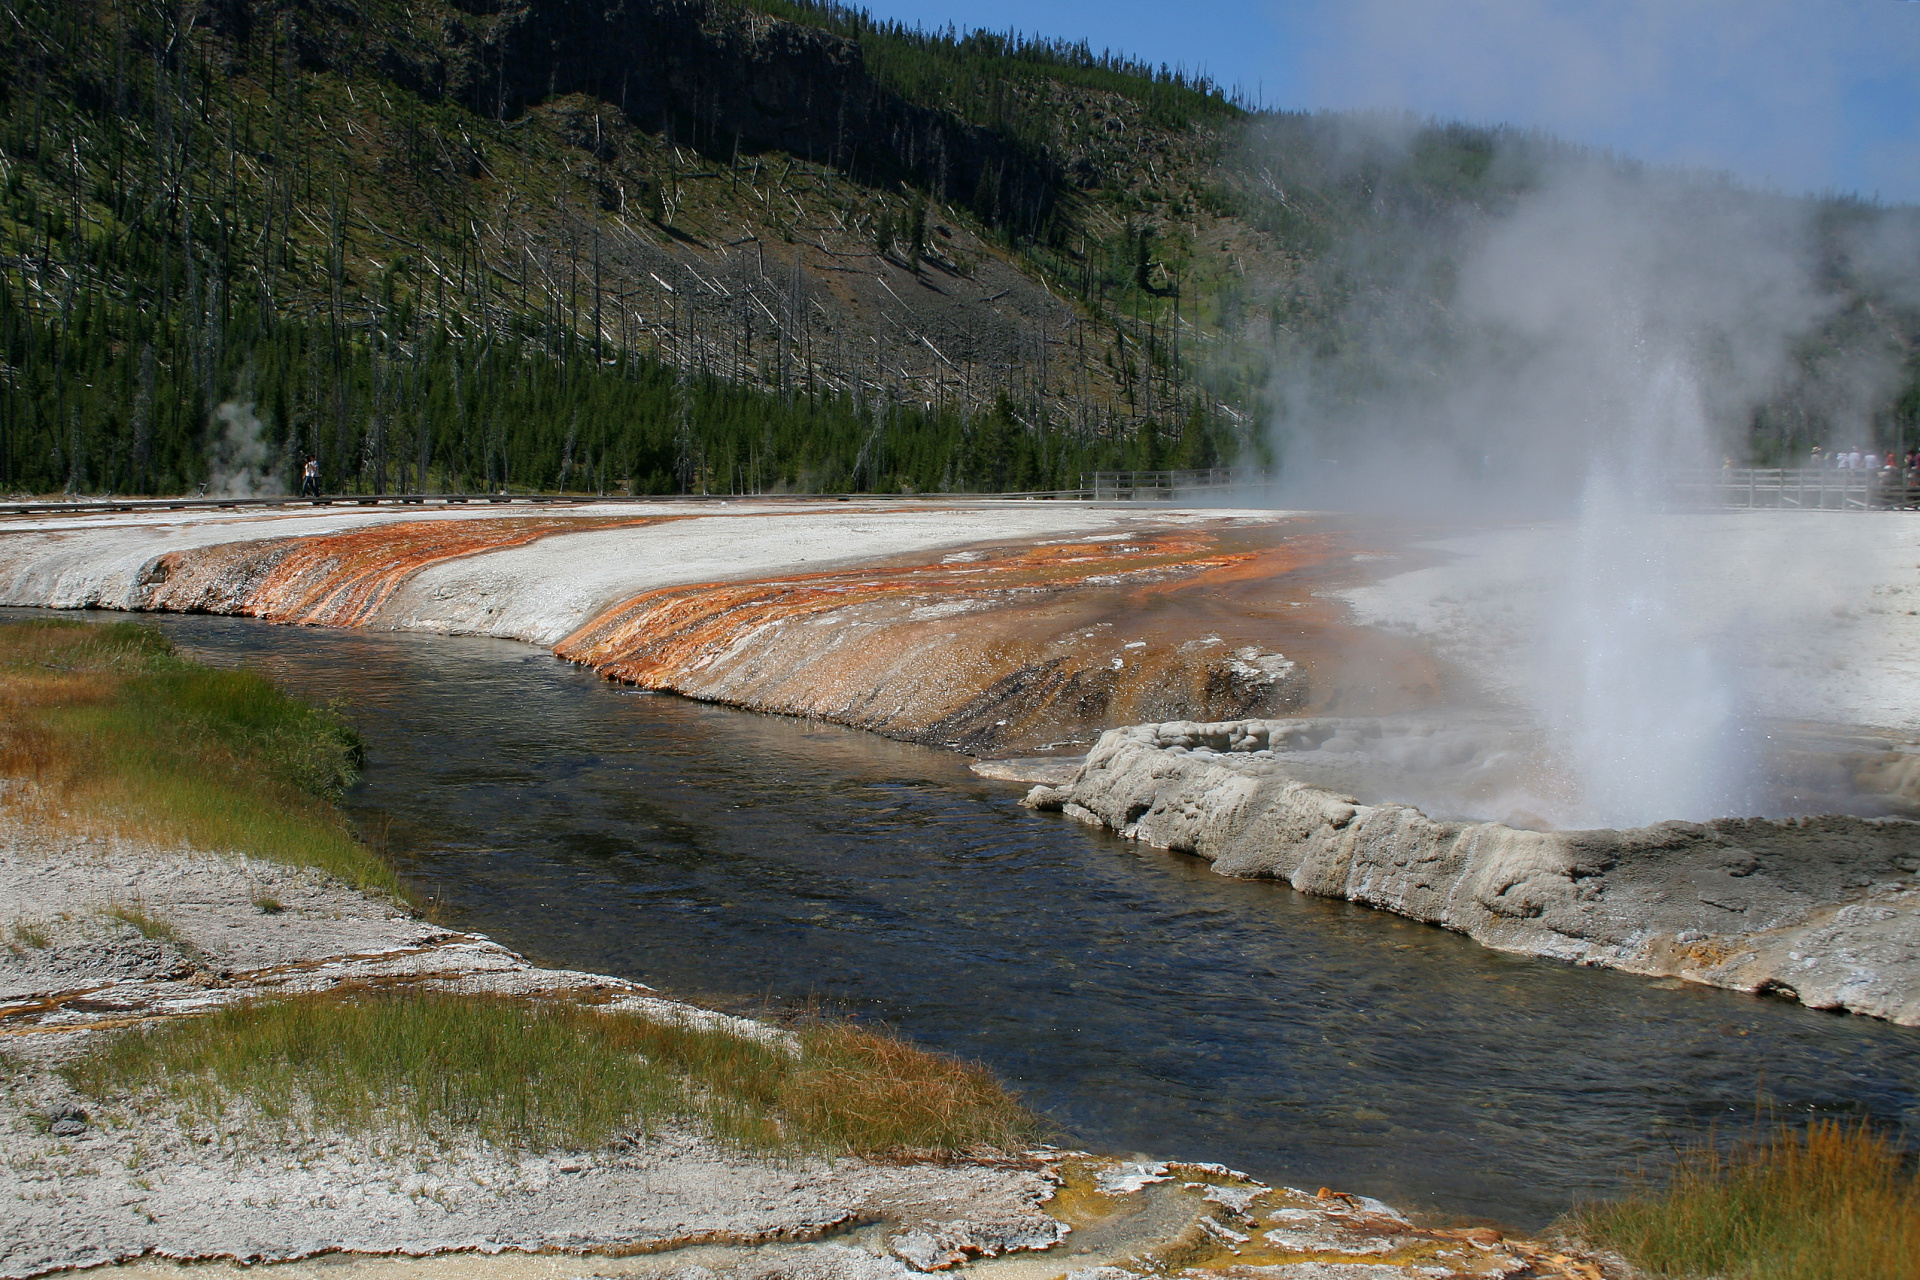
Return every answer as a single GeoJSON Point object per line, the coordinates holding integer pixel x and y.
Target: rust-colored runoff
{"type": "Point", "coordinates": [343, 579]}
{"type": "Point", "coordinates": [1022, 646]}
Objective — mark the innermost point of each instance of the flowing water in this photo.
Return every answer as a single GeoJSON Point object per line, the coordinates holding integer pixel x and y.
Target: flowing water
{"type": "Point", "coordinates": [1142, 1002]}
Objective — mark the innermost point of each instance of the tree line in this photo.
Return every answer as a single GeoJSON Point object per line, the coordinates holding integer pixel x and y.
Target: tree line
{"type": "Point", "coordinates": [190, 294]}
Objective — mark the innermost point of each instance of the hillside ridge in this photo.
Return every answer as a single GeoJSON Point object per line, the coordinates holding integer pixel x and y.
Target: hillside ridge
{"type": "Point", "coordinates": [659, 246]}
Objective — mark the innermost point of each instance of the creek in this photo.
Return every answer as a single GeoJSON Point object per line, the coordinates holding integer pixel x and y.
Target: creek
{"type": "Point", "coordinates": [1143, 1003]}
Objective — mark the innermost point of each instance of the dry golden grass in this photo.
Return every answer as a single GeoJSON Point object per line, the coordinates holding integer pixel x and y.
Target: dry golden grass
{"type": "Point", "coordinates": [1830, 1202]}
{"type": "Point", "coordinates": [873, 1093]}
{"type": "Point", "coordinates": [105, 730]}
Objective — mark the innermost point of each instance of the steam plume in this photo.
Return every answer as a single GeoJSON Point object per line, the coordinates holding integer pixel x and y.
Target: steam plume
{"type": "Point", "coordinates": [1559, 359]}
{"type": "Point", "coordinates": [242, 457]}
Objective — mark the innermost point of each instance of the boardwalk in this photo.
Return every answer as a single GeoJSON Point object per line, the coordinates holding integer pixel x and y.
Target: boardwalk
{"type": "Point", "coordinates": [1804, 488]}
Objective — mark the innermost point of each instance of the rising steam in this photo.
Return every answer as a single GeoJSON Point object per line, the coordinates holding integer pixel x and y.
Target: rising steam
{"type": "Point", "coordinates": [1558, 360]}
{"type": "Point", "coordinates": [242, 456]}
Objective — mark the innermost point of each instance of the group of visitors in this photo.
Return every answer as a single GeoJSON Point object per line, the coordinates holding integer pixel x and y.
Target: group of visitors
{"type": "Point", "coordinates": [1892, 463]}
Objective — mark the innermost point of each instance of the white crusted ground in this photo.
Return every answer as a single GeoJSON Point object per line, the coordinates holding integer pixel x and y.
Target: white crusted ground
{"type": "Point", "coordinates": [88, 1181]}
{"type": "Point", "coordinates": [1820, 610]}
{"type": "Point", "coordinates": [542, 591]}
{"type": "Point", "coordinates": [1826, 910]}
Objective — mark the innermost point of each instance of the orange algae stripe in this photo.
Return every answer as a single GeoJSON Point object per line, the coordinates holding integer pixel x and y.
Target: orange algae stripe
{"type": "Point", "coordinates": [662, 634]}
{"type": "Point", "coordinates": [1301, 551]}
{"type": "Point", "coordinates": [342, 579]}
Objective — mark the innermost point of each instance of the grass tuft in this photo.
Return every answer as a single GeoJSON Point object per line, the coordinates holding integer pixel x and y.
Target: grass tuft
{"type": "Point", "coordinates": [150, 926]}
{"type": "Point", "coordinates": [113, 732]}
{"type": "Point", "coordinates": [543, 1076]}
{"type": "Point", "coordinates": [23, 934]}
{"type": "Point", "coordinates": [268, 906]}
{"type": "Point", "coordinates": [1830, 1202]}
{"type": "Point", "coordinates": [873, 1093]}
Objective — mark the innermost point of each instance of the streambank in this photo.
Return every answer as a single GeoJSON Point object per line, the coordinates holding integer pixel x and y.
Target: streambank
{"type": "Point", "coordinates": [108, 935]}
{"type": "Point", "coordinates": [1041, 632]}
{"type": "Point", "coordinates": [1824, 910]}
{"type": "Point", "coordinates": [253, 1057]}
{"type": "Point", "coordinates": [972, 625]}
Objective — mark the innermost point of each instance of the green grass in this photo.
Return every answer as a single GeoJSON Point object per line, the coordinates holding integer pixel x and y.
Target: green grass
{"type": "Point", "coordinates": [1831, 1202]}
{"type": "Point", "coordinates": [546, 1076]}
{"type": "Point", "coordinates": [24, 934]}
{"type": "Point", "coordinates": [149, 926]}
{"type": "Point", "coordinates": [121, 735]}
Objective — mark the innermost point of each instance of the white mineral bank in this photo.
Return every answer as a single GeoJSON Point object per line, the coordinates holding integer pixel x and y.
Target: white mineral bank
{"type": "Point", "coordinates": [1818, 612]}
{"type": "Point", "coordinates": [542, 591]}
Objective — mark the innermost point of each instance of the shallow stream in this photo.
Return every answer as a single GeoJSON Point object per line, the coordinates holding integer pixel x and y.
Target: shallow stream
{"type": "Point", "coordinates": [1142, 1002]}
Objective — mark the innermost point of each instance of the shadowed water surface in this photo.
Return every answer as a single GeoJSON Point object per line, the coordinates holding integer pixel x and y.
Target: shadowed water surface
{"type": "Point", "coordinates": [1142, 1002]}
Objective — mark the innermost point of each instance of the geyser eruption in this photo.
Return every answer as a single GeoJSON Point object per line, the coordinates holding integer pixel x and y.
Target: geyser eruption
{"type": "Point", "coordinates": [1559, 361]}
{"type": "Point", "coordinates": [1638, 304]}
{"type": "Point", "coordinates": [1642, 695]}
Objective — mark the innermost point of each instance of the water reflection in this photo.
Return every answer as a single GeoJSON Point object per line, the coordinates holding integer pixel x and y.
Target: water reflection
{"type": "Point", "coordinates": [1141, 1001]}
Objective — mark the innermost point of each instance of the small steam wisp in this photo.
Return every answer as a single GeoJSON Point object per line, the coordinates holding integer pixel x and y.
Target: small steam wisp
{"type": "Point", "coordinates": [242, 457]}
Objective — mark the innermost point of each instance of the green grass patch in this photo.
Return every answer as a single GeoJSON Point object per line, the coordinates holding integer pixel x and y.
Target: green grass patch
{"type": "Point", "coordinates": [546, 1075]}
{"type": "Point", "coordinates": [23, 935]}
{"type": "Point", "coordinates": [1830, 1202]}
{"type": "Point", "coordinates": [150, 926]}
{"type": "Point", "coordinates": [120, 734]}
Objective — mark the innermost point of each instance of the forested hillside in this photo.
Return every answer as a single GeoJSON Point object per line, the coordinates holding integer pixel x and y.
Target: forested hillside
{"type": "Point", "coordinates": [669, 245]}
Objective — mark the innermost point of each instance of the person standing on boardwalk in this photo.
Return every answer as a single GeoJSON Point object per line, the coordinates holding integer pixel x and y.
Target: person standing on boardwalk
{"type": "Point", "coordinates": [310, 479]}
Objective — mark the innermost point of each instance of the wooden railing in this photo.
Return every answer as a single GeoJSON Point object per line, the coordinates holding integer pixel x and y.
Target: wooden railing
{"type": "Point", "coordinates": [94, 505]}
{"type": "Point", "coordinates": [1801, 488]}
{"type": "Point", "coordinates": [1167, 486]}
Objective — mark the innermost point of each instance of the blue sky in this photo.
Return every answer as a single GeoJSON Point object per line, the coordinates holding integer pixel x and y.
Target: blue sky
{"type": "Point", "coordinates": [1796, 94]}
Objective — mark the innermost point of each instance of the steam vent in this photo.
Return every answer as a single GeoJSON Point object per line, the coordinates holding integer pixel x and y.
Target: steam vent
{"type": "Point", "coordinates": [1342, 705]}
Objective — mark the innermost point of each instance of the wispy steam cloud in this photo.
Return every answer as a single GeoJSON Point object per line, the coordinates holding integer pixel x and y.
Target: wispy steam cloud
{"type": "Point", "coordinates": [1509, 353]}
{"type": "Point", "coordinates": [1560, 354]}
{"type": "Point", "coordinates": [243, 463]}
